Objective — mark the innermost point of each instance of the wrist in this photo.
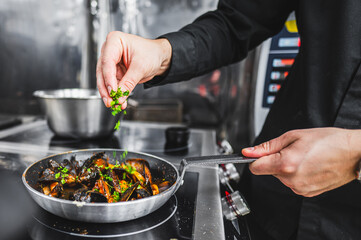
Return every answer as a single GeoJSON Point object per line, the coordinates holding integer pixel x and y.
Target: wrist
{"type": "Point", "coordinates": [166, 55]}
{"type": "Point", "coordinates": [355, 142]}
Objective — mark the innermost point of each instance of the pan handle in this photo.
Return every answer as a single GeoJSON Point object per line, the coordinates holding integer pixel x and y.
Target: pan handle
{"type": "Point", "coordinates": [213, 159]}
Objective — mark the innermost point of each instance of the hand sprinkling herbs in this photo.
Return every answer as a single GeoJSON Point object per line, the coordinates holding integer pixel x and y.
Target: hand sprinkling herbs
{"type": "Point", "coordinates": [115, 106]}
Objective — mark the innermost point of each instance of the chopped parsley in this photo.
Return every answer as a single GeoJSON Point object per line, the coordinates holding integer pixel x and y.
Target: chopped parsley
{"type": "Point", "coordinates": [62, 173]}
{"type": "Point", "coordinates": [130, 169]}
{"type": "Point", "coordinates": [115, 106]}
{"type": "Point", "coordinates": [116, 196]}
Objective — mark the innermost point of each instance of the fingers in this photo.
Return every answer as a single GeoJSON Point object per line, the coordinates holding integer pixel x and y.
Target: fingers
{"type": "Point", "coordinates": [124, 105]}
{"type": "Point", "coordinates": [273, 146]}
{"type": "Point", "coordinates": [111, 55]}
{"type": "Point", "coordinates": [130, 79]}
{"type": "Point", "coordinates": [101, 87]}
{"type": "Point", "coordinates": [267, 165]}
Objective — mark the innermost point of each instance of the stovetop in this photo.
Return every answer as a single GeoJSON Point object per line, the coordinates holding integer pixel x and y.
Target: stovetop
{"type": "Point", "coordinates": [193, 213]}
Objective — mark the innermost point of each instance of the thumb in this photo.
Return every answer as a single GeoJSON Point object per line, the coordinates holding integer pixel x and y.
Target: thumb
{"type": "Point", "coordinates": [270, 147]}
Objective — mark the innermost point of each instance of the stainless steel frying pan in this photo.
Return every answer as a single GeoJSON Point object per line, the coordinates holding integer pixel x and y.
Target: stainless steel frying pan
{"type": "Point", "coordinates": [121, 211]}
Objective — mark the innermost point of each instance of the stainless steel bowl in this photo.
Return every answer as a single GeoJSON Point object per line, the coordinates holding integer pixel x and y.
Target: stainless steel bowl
{"type": "Point", "coordinates": [77, 113]}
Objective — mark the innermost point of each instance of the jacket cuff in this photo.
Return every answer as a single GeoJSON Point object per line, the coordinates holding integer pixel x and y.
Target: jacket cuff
{"type": "Point", "coordinates": [182, 63]}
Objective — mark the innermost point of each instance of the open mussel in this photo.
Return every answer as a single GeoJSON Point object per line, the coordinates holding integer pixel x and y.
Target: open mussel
{"type": "Point", "coordinates": [71, 165]}
{"type": "Point", "coordinates": [91, 161]}
{"type": "Point", "coordinates": [142, 167]}
{"type": "Point", "coordinates": [84, 195]}
{"type": "Point", "coordinates": [48, 175]}
{"type": "Point", "coordinates": [128, 193]}
{"type": "Point", "coordinates": [164, 186]}
{"type": "Point", "coordinates": [143, 192]}
{"type": "Point", "coordinates": [54, 189]}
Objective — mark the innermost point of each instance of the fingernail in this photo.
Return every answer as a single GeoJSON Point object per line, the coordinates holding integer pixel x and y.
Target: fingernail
{"type": "Point", "coordinates": [105, 101]}
{"type": "Point", "coordinates": [109, 89]}
{"type": "Point", "coordinates": [250, 149]}
{"type": "Point", "coordinates": [124, 105]}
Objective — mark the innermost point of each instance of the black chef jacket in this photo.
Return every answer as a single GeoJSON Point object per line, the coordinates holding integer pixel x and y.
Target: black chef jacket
{"type": "Point", "coordinates": [322, 90]}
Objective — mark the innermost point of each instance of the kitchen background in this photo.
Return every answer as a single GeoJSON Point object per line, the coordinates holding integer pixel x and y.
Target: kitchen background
{"type": "Point", "coordinates": [54, 45]}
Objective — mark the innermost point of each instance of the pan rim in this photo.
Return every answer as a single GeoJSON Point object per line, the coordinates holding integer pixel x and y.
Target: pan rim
{"type": "Point", "coordinates": [84, 204]}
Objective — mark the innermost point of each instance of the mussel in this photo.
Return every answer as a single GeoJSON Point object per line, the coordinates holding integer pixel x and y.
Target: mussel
{"type": "Point", "coordinates": [84, 195]}
{"type": "Point", "coordinates": [128, 193]}
{"type": "Point", "coordinates": [142, 167]}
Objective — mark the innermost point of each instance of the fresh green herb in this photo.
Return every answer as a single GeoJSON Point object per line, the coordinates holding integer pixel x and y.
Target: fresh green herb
{"type": "Point", "coordinates": [124, 176]}
{"type": "Point", "coordinates": [115, 106]}
{"type": "Point", "coordinates": [107, 177]}
{"type": "Point", "coordinates": [89, 170]}
{"type": "Point", "coordinates": [124, 154]}
{"type": "Point", "coordinates": [138, 187]}
{"type": "Point", "coordinates": [117, 125]}
{"type": "Point", "coordinates": [116, 196]}
{"type": "Point", "coordinates": [123, 189]}
{"type": "Point", "coordinates": [76, 178]}
{"type": "Point", "coordinates": [130, 169]}
{"type": "Point", "coordinates": [63, 181]}
{"type": "Point", "coordinates": [64, 170]}
{"type": "Point", "coordinates": [57, 175]}
{"type": "Point", "coordinates": [100, 173]}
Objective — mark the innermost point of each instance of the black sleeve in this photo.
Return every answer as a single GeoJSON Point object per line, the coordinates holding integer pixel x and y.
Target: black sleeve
{"type": "Point", "coordinates": [223, 36]}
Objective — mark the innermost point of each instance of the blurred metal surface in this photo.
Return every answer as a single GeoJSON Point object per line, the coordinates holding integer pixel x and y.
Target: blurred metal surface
{"type": "Point", "coordinates": [77, 113]}
{"type": "Point", "coordinates": [156, 110]}
{"type": "Point", "coordinates": [54, 45]}
{"type": "Point", "coordinates": [41, 48]}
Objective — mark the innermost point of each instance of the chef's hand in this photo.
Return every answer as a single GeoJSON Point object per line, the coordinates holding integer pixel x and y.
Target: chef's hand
{"type": "Point", "coordinates": [127, 60]}
{"type": "Point", "coordinates": [309, 161]}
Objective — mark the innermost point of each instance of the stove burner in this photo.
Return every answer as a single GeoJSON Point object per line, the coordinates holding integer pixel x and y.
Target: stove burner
{"type": "Point", "coordinates": [102, 230]}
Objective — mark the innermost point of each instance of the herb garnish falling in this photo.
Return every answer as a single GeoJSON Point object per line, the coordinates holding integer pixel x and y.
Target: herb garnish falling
{"type": "Point", "coordinates": [115, 106]}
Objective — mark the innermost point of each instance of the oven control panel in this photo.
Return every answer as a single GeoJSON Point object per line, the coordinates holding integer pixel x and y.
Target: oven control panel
{"type": "Point", "coordinates": [278, 68]}
{"type": "Point", "coordinates": [273, 63]}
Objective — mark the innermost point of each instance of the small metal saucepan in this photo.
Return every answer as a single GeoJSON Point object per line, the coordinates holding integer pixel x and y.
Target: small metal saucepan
{"type": "Point", "coordinates": [120, 211]}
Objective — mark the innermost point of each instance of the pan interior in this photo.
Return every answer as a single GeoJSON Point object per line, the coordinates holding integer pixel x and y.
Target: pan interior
{"type": "Point", "coordinates": [159, 168]}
